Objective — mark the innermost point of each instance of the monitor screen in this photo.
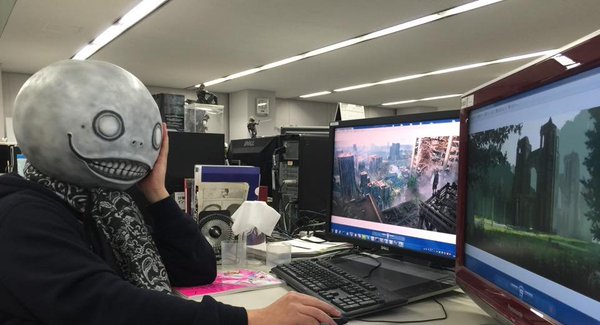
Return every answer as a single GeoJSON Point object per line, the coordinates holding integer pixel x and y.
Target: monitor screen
{"type": "Point", "coordinates": [532, 182]}
{"type": "Point", "coordinates": [395, 182]}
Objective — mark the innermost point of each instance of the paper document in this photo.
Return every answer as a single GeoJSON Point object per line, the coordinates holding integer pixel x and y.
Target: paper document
{"type": "Point", "coordinates": [302, 248]}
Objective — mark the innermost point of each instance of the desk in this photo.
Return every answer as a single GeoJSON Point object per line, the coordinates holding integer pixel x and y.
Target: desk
{"type": "Point", "coordinates": [460, 308]}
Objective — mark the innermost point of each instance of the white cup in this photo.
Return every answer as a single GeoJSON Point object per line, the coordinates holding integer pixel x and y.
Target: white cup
{"type": "Point", "coordinates": [278, 253]}
{"type": "Point", "coordinates": [233, 254]}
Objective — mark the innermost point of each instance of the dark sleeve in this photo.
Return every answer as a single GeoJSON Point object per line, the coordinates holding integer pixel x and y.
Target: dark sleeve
{"type": "Point", "coordinates": [50, 275]}
{"type": "Point", "coordinates": [188, 257]}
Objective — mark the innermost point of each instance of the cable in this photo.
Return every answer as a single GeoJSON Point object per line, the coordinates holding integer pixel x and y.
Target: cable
{"type": "Point", "coordinates": [322, 214]}
{"type": "Point", "coordinates": [279, 235]}
{"type": "Point", "coordinates": [374, 267]}
{"type": "Point", "coordinates": [408, 321]}
{"type": "Point", "coordinates": [309, 226]}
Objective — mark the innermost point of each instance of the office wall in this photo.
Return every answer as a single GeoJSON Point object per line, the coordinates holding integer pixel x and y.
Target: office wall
{"type": "Point", "coordinates": [11, 84]}
{"type": "Point", "coordinates": [378, 112]}
{"type": "Point", "coordinates": [242, 105]}
{"type": "Point", "coordinates": [421, 109]}
{"type": "Point", "coordinates": [293, 112]}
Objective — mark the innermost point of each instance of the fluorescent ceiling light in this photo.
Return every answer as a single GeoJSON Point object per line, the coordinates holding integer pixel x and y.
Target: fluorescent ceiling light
{"type": "Point", "coordinates": [210, 83]}
{"type": "Point", "coordinates": [460, 68]}
{"type": "Point", "coordinates": [386, 31]}
{"type": "Point", "coordinates": [140, 11]}
{"type": "Point", "coordinates": [401, 102]}
{"type": "Point", "coordinates": [131, 18]}
{"type": "Point", "coordinates": [440, 97]}
{"type": "Point", "coordinates": [316, 94]}
{"type": "Point", "coordinates": [332, 47]}
{"type": "Point", "coordinates": [442, 71]}
{"type": "Point", "coordinates": [526, 56]}
{"type": "Point", "coordinates": [469, 6]}
{"type": "Point", "coordinates": [339, 90]}
{"type": "Point", "coordinates": [466, 67]}
{"type": "Point", "coordinates": [241, 74]}
{"type": "Point", "coordinates": [401, 27]}
{"type": "Point", "coordinates": [420, 100]}
{"type": "Point", "coordinates": [282, 62]}
{"type": "Point", "coordinates": [389, 81]}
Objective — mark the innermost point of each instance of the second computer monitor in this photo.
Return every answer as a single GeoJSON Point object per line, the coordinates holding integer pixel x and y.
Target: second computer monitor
{"type": "Point", "coordinates": [256, 152]}
{"type": "Point", "coordinates": [395, 181]}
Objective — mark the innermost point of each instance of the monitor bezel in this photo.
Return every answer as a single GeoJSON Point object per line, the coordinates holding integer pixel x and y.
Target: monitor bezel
{"type": "Point", "coordinates": [379, 247]}
{"type": "Point", "coordinates": [544, 71]}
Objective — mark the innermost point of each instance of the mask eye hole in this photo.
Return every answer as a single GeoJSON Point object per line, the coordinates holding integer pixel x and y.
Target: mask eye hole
{"type": "Point", "coordinates": [108, 125]}
{"type": "Point", "coordinates": [157, 136]}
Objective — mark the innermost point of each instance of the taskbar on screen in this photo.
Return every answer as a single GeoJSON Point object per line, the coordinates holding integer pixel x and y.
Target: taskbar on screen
{"type": "Point", "coordinates": [394, 240]}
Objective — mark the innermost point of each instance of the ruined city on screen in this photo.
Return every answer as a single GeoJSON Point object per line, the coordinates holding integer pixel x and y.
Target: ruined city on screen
{"type": "Point", "coordinates": [404, 175]}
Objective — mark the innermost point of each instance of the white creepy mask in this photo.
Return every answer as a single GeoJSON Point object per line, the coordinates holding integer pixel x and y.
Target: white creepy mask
{"type": "Point", "coordinates": [88, 123]}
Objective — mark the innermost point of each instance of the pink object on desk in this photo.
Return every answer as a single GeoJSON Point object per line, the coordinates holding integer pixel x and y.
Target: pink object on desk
{"type": "Point", "coordinates": [232, 281]}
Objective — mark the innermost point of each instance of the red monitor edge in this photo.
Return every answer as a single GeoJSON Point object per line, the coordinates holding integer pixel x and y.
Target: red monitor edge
{"type": "Point", "coordinates": [495, 301]}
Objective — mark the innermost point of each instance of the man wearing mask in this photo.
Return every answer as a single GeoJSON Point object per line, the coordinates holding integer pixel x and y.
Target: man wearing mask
{"type": "Point", "coordinates": [74, 246]}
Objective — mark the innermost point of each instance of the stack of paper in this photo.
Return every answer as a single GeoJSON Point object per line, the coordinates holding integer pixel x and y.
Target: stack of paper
{"type": "Point", "coordinates": [302, 248]}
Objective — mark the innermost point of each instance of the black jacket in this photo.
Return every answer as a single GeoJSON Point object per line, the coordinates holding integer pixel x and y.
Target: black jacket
{"type": "Point", "coordinates": [54, 270]}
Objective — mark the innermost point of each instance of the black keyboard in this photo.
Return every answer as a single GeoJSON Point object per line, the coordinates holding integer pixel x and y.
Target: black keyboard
{"type": "Point", "coordinates": [353, 295]}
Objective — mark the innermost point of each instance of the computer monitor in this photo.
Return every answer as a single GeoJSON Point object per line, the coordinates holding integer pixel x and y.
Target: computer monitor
{"type": "Point", "coordinates": [528, 234]}
{"type": "Point", "coordinates": [187, 149]}
{"type": "Point", "coordinates": [256, 152]}
{"type": "Point", "coordinates": [394, 184]}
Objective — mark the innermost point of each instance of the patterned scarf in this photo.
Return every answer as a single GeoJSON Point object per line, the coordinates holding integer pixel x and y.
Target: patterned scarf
{"type": "Point", "coordinates": [120, 222]}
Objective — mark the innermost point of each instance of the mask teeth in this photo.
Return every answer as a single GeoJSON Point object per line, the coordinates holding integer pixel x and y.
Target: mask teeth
{"type": "Point", "coordinates": [119, 169]}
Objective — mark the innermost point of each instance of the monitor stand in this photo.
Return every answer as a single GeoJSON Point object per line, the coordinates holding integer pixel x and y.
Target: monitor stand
{"type": "Point", "coordinates": [411, 280]}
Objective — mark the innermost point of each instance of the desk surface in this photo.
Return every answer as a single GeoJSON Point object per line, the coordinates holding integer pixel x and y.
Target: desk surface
{"type": "Point", "coordinates": [460, 308]}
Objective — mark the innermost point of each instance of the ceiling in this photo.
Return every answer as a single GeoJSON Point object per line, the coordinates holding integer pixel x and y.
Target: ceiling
{"type": "Point", "coordinates": [186, 42]}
